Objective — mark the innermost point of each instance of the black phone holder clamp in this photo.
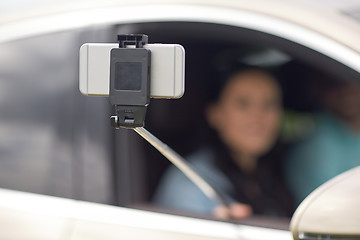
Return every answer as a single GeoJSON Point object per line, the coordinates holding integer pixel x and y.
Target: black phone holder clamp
{"type": "Point", "coordinates": [130, 81]}
{"type": "Point", "coordinates": [137, 40]}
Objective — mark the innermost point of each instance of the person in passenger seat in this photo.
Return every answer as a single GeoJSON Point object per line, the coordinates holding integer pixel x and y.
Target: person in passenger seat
{"type": "Point", "coordinates": [241, 159]}
{"type": "Point", "coordinates": [333, 145]}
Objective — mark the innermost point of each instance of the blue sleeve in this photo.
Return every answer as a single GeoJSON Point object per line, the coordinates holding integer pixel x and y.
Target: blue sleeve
{"type": "Point", "coordinates": [329, 150]}
{"type": "Point", "coordinates": [305, 168]}
{"type": "Point", "coordinates": [177, 192]}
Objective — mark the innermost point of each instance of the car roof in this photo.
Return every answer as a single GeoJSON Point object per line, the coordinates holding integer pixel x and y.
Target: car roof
{"type": "Point", "coordinates": [334, 20]}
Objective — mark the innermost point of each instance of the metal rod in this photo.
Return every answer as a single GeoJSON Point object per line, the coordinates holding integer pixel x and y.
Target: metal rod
{"type": "Point", "coordinates": [182, 165]}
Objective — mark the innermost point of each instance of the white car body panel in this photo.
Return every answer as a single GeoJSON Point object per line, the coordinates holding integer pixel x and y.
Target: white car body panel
{"type": "Point", "coordinates": [290, 20]}
{"type": "Point", "coordinates": [33, 216]}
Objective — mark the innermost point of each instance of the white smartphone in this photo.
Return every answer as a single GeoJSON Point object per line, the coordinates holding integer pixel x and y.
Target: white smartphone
{"type": "Point", "coordinates": [167, 69]}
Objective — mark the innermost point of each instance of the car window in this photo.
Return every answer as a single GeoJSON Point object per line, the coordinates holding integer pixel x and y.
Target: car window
{"type": "Point", "coordinates": [45, 143]}
{"type": "Point", "coordinates": [57, 142]}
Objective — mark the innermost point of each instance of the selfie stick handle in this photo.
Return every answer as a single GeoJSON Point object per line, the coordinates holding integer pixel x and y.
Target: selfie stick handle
{"type": "Point", "coordinates": [182, 165]}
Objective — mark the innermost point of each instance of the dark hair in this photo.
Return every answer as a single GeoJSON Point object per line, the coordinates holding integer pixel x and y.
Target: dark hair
{"type": "Point", "coordinates": [221, 78]}
{"type": "Point", "coordinates": [275, 199]}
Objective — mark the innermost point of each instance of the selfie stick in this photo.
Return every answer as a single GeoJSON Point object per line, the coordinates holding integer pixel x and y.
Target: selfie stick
{"type": "Point", "coordinates": [181, 164]}
{"type": "Point", "coordinates": [129, 115]}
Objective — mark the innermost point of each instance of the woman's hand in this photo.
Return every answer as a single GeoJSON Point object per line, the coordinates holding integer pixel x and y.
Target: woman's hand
{"type": "Point", "coordinates": [234, 211]}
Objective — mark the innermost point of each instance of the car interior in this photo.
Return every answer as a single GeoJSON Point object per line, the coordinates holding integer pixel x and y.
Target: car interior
{"type": "Point", "coordinates": [54, 141]}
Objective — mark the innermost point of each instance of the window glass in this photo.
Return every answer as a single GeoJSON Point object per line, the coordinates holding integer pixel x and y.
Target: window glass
{"type": "Point", "coordinates": [52, 140]}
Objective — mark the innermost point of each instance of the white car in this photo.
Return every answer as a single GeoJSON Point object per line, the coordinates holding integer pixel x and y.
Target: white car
{"type": "Point", "coordinates": [83, 176]}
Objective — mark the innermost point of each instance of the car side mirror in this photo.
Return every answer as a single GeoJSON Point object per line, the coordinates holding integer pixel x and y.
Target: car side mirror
{"type": "Point", "coordinates": [331, 211]}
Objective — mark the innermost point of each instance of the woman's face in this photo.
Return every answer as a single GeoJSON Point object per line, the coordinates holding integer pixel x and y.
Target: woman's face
{"type": "Point", "coordinates": [248, 112]}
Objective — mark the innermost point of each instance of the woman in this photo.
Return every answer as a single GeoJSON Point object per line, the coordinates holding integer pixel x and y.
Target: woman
{"type": "Point", "coordinates": [245, 114]}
